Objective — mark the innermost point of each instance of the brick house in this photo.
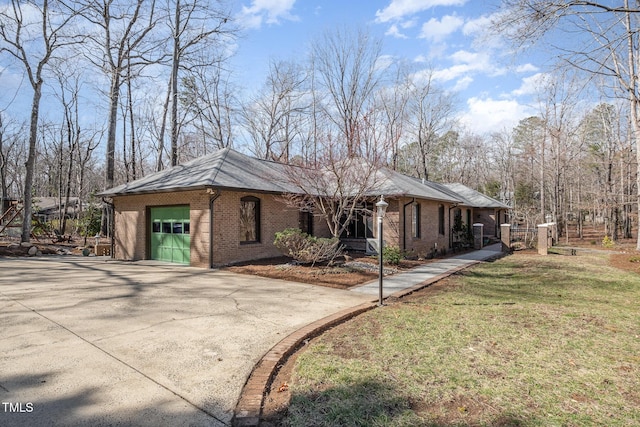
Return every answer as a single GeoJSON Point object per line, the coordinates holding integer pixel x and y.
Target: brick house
{"type": "Point", "coordinates": [226, 207]}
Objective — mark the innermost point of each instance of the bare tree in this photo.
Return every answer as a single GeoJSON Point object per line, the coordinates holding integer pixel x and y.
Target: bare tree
{"type": "Point", "coordinates": [271, 118]}
{"type": "Point", "coordinates": [195, 27]}
{"type": "Point", "coordinates": [22, 25]}
{"type": "Point", "coordinates": [430, 116]}
{"type": "Point", "coordinates": [122, 43]}
{"type": "Point", "coordinates": [609, 46]}
{"type": "Point", "coordinates": [392, 102]}
{"type": "Point", "coordinates": [348, 68]}
{"type": "Point", "coordinates": [337, 186]}
{"type": "Point", "coordinates": [211, 104]}
{"type": "Point", "coordinates": [558, 100]}
{"type": "Point", "coordinates": [69, 133]}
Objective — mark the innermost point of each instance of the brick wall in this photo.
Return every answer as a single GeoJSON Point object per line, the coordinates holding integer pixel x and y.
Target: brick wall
{"type": "Point", "coordinates": [487, 217]}
{"type": "Point", "coordinates": [132, 225]}
{"type": "Point", "coordinates": [429, 232]}
{"type": "Point", "coordinates": [274, 216]}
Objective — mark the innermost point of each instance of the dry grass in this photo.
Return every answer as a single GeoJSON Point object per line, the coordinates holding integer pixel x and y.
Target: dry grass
{"type": "Point", "coordinates": [524, 341]}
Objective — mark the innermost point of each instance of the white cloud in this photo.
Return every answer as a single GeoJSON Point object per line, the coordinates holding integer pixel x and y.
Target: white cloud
{"type": "Point", "coordinates": [436, 30]}
{"type": "Point", "coordinates": [466, 62]}
{"type": "Point", "coordinates": [384, 61]}
{"type": "Point", "coordinates": [398, 9]}
{"type": "Point", "coordinates": [268, 11]}
{"type": "Point", "coordinates": [526, 68]}
{"type": "Point", "coordinates": [490, 115]}
{"type": "Point", "coordinates": [395, 32]}
{"type": "Point", "coordinates": [475, 26]}
{"type": "Point", "coordinates": [463, 84]}
{"type": "Point", "coordinates": [530, 85]}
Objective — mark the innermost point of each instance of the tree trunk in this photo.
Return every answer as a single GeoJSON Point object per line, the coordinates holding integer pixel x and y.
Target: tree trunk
{"type": "Point", "coordinates": [31, 162]}
{"type": "Point", "coordinates": [114, 95]}
{"type": "Point", "coordinates": [111, 146]}
{"type": "Point", "coordinates": [174, 87]}
{"type": "Point", "coordinates": [163, 126]}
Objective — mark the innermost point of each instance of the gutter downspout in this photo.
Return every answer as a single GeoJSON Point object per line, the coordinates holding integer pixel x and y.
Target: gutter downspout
{"type": "Point", "coordinates": [404, 223]}
{"type": "Point", "coordinates": [214, 195]}
{"type": "Point", "coordinates": [455, 205]}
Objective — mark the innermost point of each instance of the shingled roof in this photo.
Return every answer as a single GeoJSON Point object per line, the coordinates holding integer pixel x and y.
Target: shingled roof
{"type": "Point", "coordinates": [397, 184]}
{"type": "Point", "coordinates": [473, 198]}
{"type": "Point", "coordinates": [225, 168]}
{"type": "Point", "coordinates": [229, 169]}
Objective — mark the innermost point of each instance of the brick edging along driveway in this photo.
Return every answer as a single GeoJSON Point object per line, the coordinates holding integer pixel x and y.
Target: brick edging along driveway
{"type": "Point", "coordinates": [249, 406]}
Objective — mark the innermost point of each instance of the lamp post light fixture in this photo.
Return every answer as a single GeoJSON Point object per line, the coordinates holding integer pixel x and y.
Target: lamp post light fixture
{"type": "Point", "coordinates": [382, 208]}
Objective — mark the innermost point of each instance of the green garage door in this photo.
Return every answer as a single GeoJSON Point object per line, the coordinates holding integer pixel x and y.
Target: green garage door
{"type": "Point", "coordinates": [170, 238]}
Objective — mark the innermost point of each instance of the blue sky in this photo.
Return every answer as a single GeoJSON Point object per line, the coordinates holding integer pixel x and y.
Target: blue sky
{"type": "Point", "coordinates": [494, 87]}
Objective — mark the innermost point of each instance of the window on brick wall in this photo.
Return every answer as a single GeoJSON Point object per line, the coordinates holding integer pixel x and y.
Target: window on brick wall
{"type": "Point", "coordinates": [415, 220]}
{"type": "Point", "coordinates": [441, 220]}
{"type": "Point", "coordinates": [305, 222]}
{"type": "Point", "coordinates": [249, 220]}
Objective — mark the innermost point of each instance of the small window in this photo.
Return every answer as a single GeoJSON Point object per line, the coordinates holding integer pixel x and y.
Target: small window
{"type": "Point", "coordinates": [177, 228]}
{"type": "Point", "coordinates": [305, 222]}
{"type": "Point", "coordinates": [166, 227]}
{"type": "Point", "coordinates": [441, 220]}
{"type": "Point", "coordinates": [155, 227]}
{"type": "Point", "coordinates": [249, 220]}
{"type": "Point", "coordinates": [186, 228]}
{"type": "Point", "coordinates": [415, 220]}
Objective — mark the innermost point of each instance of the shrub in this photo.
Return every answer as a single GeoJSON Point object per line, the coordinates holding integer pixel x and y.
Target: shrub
{"type": "Point", "coordinates": [607, 242]}
{"type": "Point", "coordinates": [307, 249]}
{"type": "Point", "coordinates": [291, 241]}
{"type": "Point", "coordinates": [392, 255]}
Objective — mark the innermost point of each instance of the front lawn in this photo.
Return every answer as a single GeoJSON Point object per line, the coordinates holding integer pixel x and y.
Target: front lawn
{"type": "Point", "coordinates": [523, 341]}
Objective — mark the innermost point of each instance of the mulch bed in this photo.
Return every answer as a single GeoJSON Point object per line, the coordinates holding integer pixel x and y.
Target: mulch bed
{"type": "Point", "coordinates": [339, 276]}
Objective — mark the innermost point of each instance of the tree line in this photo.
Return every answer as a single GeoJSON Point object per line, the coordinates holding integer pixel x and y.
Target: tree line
{"type": "Point", "coordinates": [157, 78]}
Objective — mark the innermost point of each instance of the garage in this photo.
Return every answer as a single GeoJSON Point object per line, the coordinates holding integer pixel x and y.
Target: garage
{"type": "Point", "coordinates": [170, 239]}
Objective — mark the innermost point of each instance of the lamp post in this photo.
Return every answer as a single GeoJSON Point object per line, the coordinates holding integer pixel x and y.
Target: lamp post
{"type": "Point", "coordinates": [382, 208]}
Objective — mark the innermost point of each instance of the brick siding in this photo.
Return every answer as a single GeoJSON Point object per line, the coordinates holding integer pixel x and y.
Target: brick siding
{"type": "Point", "coordinates": [131, 240]}
{"type": "Point", "coordinates": [429, 234]}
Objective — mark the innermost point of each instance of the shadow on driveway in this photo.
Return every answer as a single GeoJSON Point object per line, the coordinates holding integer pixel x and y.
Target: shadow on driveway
{"type": "Point", "coordinates": [89, 342]}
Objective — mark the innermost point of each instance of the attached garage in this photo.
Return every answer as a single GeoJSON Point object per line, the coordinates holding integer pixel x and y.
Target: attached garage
{"type": "Point", "coordinates": [170, 238]}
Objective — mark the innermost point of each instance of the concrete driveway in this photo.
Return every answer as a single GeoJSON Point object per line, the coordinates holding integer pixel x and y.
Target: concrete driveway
{"type": "Point", "coordinates": [90, 341]}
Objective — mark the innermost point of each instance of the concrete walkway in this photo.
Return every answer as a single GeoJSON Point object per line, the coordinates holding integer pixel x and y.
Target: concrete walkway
{"type": "Point", "coordinates": [398, 283]}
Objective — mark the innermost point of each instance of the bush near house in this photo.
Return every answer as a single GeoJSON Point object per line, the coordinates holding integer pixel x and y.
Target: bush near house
{"type": "Point", "coordinates": [392, 255]}
{"type": "Point", "coordinates": [307, 249]}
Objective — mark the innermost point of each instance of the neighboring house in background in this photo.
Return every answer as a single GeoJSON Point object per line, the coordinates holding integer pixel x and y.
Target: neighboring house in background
{"type": "Point", "coordinates": [48, 208]}
{"type": "Point", "coordinates": [226, 207]}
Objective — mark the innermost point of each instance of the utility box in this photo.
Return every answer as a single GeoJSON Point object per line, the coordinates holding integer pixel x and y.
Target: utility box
{"type": "Point", "coordinates": [103, 250]}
